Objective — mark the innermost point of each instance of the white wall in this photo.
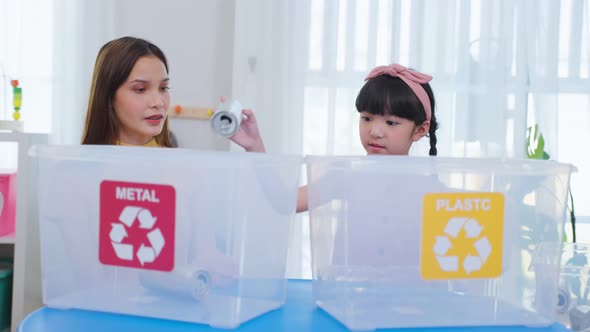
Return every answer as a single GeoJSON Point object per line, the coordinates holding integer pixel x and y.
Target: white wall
{"type": "Point", "coordinates": [195, 35]}
{"type": "Point", "coordinates": [80, 29]}
{"type": "Point", "coordinates": [197, 38]}
{"type": "Point", "coordinates": [267, 76]}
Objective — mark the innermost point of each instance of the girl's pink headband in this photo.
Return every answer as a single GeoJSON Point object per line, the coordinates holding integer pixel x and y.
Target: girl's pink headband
{"type": "Point", "coordinates": [411, 77]}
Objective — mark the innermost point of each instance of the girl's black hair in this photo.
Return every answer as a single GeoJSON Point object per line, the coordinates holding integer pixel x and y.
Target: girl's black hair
{"type": "Point", "coordinates": [390, 94]}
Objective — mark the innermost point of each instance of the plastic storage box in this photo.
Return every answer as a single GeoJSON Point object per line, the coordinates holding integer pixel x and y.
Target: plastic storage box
{"type": "Point", "coordinates": [168, 233]}
{"type": "Point", "coordinates": [573, 299]}
{"type": "Point", "coordinates": [7, 202]}
{"type": "Point", "coordinates": [418, 242]}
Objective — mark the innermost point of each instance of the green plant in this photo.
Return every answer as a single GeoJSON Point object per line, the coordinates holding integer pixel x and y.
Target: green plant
{"type": "Point", "coordinates": [535, 149]}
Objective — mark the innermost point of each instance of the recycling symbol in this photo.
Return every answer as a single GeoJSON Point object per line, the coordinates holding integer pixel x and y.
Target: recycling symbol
{"type": "Point", "coordinates": [473, 230]}
{"type": "Point", "coordinates": [118, 233]}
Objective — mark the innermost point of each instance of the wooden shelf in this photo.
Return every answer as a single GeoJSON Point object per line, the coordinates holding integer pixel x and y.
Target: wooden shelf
{"type": "Point", "coordinates": [26, 288]}
{"type": "Point", "coordinates": [6, 136]}
{"type": "Point", "coordinates": [18, 126]}
{"type": "Point", "coordinates": [183, 112]}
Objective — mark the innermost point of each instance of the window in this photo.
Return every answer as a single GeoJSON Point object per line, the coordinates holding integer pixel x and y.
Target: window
{"type": "Point", "coordinates": [499, 67]}
{"type": "Point", "coordinates": [26, 36]}
{"type": "Point", "coordinates": [26, 49]}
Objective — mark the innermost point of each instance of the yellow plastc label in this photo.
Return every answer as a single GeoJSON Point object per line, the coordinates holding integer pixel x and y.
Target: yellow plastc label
{"type": "Point", "coordinates": [462, 235]}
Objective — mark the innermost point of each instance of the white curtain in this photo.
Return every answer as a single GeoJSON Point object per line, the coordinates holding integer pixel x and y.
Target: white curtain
{"type": "Point", "coordinates": [268, 76]}
{"type": "Point", "coordinates": [267, 65]}
{"type": "Point", "coordinates": [26, 41]}
{"type": "Point", "coordinates": [87, 25]}
{"type": "Point", "coordinates": [49, 46]}
{"type": "Point", "coordinates": [498, 66]}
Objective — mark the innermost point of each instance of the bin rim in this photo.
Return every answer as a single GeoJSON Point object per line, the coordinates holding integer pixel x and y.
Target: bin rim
{"type": "Point", "coordinates": [427, 165]}
{"type": "Point", "coordinates": [113, 153]}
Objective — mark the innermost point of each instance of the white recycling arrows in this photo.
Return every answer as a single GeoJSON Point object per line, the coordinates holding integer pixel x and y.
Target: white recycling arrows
{"type": "Point", "coordinates": [442, 245]}
{"type": "Point", "coordinates": [471, 263]}
{"type": "Point", "coordinates": [146, 221]}
{"type": "Point", "coordinates": [156, 240]}
{"type": "Point", "coordinates": [454, 226]}
{"type": "Point", "coordinates": [145, 254]}
{"type": "Point", "coordinates": [484, 248]}
{"type": "Point", "coordinates": [123, 251]}
{"type": "Point", "coordinates": [128, 215]}
{"type": "Point", "coordinates": [118, 233]}
{"type": "Point", "coordinates": [448, 263]}
{"type": "Point", "coordinates": [472, 230]}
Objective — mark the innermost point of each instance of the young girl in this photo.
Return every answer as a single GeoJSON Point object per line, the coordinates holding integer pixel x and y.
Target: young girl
{"type": "Point", "coordinates": [129, 98]}
{"type": "Point", "coordinates": [396, 107]}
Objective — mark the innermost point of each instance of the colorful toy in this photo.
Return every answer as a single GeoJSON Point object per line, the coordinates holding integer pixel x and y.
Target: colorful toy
{"type": "Point", "coordinates": [200, 113]}
{"type": "Point", "coordinates": [17, 99]}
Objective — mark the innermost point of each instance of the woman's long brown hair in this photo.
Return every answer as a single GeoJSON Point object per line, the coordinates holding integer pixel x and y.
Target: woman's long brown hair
{"type": "Point", "coordinates": [113, 65]}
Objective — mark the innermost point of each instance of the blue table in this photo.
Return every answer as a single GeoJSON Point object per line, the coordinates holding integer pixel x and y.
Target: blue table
{"type": "Point", "coordinates": [298, 314]}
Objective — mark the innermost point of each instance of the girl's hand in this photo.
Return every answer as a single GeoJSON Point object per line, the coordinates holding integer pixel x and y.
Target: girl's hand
{"type": "Point", "coordinates": [247, 135]}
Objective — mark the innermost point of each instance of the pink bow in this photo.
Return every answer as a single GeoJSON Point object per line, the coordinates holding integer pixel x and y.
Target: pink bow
{"type": "Point", "coordinates": [411, 77]}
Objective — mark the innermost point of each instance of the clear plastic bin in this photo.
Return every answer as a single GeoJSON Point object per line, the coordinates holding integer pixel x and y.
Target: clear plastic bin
{"type": "Point", "coordinates": [419, 242]}
{"type": "Point", "coordinates": [168, 233]}
{"type": "Point", "coordinates": [573, 299]}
